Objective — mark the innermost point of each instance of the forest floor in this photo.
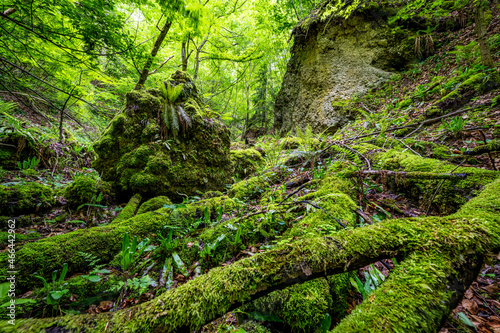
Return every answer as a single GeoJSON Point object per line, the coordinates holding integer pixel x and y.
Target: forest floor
{"type": "Point", "coordinates": [299, 167]}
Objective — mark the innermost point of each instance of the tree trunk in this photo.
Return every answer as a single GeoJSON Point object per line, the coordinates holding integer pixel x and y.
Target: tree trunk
{"type": "Point", "coordinates": [440, 257]}
{"type": "Point", "coordinates": [247, 84]}
{"type": "Point", "coordinates": [482, 36]}
{"type": "Point", "coordinates": [147, 66]}
{"type": "Point", "coordinates": [184, 54]}
{"type": "Point", "coordinates": [198, 60]}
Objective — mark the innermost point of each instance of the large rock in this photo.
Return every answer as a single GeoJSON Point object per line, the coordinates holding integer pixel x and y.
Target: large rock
{"type": "Point", "coordinates": [157, 147]}
{"type": "Point", "coordinates": [331, 60]}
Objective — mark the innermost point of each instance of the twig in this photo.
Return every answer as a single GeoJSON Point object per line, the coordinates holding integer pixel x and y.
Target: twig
{"type": "Point", "coordinates": [318, 207]}
{"type": "Point", "coordinates": [419, 175]}
{"type": "Point", "coordinates": [439, 187]}
{"type": "Point", "coordinates": [407, 146]}
{"type": "Point", "coordinates": [425, 122]}
{"type": "Point", "coordinates": [295, 192]}
{"type": "Point", "coordinates": [489, 153]}
{"type": "Point", "coordinates": [364, 216]}
{"type": "Point", "coordinates": [357, 152]}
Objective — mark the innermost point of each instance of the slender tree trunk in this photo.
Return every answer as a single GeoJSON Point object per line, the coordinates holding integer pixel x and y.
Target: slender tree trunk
{"type": "Point", "coordinates": [154, 51]}
{"type": "Point", "coordinates": [198, 51]}
{"type": "Point", "coordinates": [185, 54]}
{"type": "Point", "coordinates": [482, 36]}
{"type": "Point", "coordinates": [61, 117]}
{"type": "Point", "coordinates": [247, 84]}
{"type": "Point", "coordinates": [265, 101]}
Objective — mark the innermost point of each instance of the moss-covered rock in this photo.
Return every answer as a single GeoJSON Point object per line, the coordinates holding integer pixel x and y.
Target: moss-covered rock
{"type": "Point", "coordinates": [86, 190]}
{"type": "Point", "coordinates": [25, 198]}
{"type": "Point", "coordinates": [162, 147]}
{"type": "Point", "coordinates": [333, 59]}
{"type": "Point", "coordinates": [16, 148]}
{"type": "Point", "coordinates": [245, 162]}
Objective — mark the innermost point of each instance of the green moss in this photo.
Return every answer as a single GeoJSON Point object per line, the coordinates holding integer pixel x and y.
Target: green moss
{"type": "Point", "coordinates": [301, 306]}
{"type": "Point", "coordinates": [25, 198]}
{"type": "Point", "coordinates": [253, 187]}
{"type": "Point", "coordinates": [137, 156]}
{"type": "Point", "coordinates": [154, 204]}
{"type": "Point", "coordinates": [245, 162]}
{"type": "Point", "coordinates": [85, 190]}
{"type": "Point", "coordinates": [452, 194]}
{"type": "Point", "coordinates": [129, 210]}
{"type": "Point", "coordinates": [420, 283]}
{"type": "Point", "coordinates": [475, 83]}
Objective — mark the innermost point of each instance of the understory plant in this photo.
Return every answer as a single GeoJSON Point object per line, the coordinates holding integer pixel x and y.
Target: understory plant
{"type": "Point", "coordinates": [57, 288]}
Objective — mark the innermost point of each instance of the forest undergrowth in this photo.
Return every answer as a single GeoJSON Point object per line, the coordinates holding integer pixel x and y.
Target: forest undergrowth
{"type": "Point", "coordinates": [423, 151]}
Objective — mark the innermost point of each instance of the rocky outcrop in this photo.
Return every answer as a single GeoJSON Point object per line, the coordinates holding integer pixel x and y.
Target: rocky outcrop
{"type": "Point", "coordinates": [333, 59]}
{"type": "Point", "coordinates": [164, 144]}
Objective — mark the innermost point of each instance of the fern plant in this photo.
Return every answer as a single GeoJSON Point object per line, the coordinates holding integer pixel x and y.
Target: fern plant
{"type": "Point", "coordinates": [174, 116]}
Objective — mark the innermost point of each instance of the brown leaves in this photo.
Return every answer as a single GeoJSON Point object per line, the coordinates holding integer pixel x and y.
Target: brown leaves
{"type": "Point", "coordinates": [104, 306]}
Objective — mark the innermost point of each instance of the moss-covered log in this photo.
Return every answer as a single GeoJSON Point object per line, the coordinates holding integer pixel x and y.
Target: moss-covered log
{"type": "Point", "coordinates": [103, 242]}
{"type": "Point", "coordinates": [491, 146]}
{"type": "Point", "coordinates": [453, 193]}
{"type": "Point", "coordinates": [432, 243]}
{"type": "Point", "coordinates": [415, 296]}
{"type": "Point", "coordinates": [130, 208]}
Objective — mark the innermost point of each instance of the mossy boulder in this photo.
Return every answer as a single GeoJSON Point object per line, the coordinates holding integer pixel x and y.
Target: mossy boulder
{"type": "Point", "coordinates": [86, 190]}
{"type": "Point", "coordinates": [246, 161]}
{"type": "Point", "coordinates": [165, 146]}
{"type": "Point", "coordinates": [16, 147]}
{"type": "Point", "coordinates": [332, 59]}
{"type": "Point", "coordinates": [25, 198]}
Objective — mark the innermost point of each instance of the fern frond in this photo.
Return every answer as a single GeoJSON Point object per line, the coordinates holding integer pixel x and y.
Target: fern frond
{"type": "Point", "coordinates": [184, 119]}
{"type": "Point", "coordinates": [173, 92]}
{"type": "Point", "coordinates": [175, 121]}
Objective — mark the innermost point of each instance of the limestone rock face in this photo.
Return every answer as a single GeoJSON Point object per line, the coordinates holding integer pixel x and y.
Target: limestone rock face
{"type": "Point", "coordinates": [331, 60]}
{"type": "Point", "coordinates": [164, 144]}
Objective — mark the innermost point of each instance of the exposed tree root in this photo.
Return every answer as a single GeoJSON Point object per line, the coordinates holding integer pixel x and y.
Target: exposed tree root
{"type": "Point", "coordinates": [433, 248]}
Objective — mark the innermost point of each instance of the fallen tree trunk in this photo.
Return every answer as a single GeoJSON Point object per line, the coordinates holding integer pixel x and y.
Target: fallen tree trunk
{"type": "Point", "coordinates": [491, 146]}
{"type": "Point", "coordinates": [430, 246]}
{"type": "Point", "coordinates": [403, 175]}
{"type": "Point", "coordinates": [104, 242]}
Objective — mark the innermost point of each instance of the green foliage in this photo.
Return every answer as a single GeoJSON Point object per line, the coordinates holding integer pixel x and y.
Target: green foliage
{"type": "Point", "coordinates": [209, 248]}
{"type": "Point", "coordinates": [131, 251]}
{"type": "Point", "coordinates": [373, 278]}
{"type": "Point", "coordinates": [55, 289]}
{"type": "Point", "coordinates": [466, 53]}
{"type": "Point", "coordinates": [455, 125]}
{"type": "Point", "coordinates": [30, 163]}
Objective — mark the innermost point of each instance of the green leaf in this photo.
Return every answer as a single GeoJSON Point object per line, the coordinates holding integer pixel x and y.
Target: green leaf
{"type": "Point", "coordinates": [325, 323]}
{"type": "Point", "coordinates": [464, 319]}
{"type": "Point", "coordinates": [63, 273]}
{"type": "Point", "coordinates": [58, 293]}
{"type": "Point", "coordinates": [4, 289]}
{"type": "Point", "coordinates": [92, 278]}
{"type": "Point", "coordinates": [45, 284]}
{"type": "Point", "coordinates": [261, 316]}
{"type": "Point", "coordinates": [19, 302]}
{"type": "Point", "coordinates": [180, 265]}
